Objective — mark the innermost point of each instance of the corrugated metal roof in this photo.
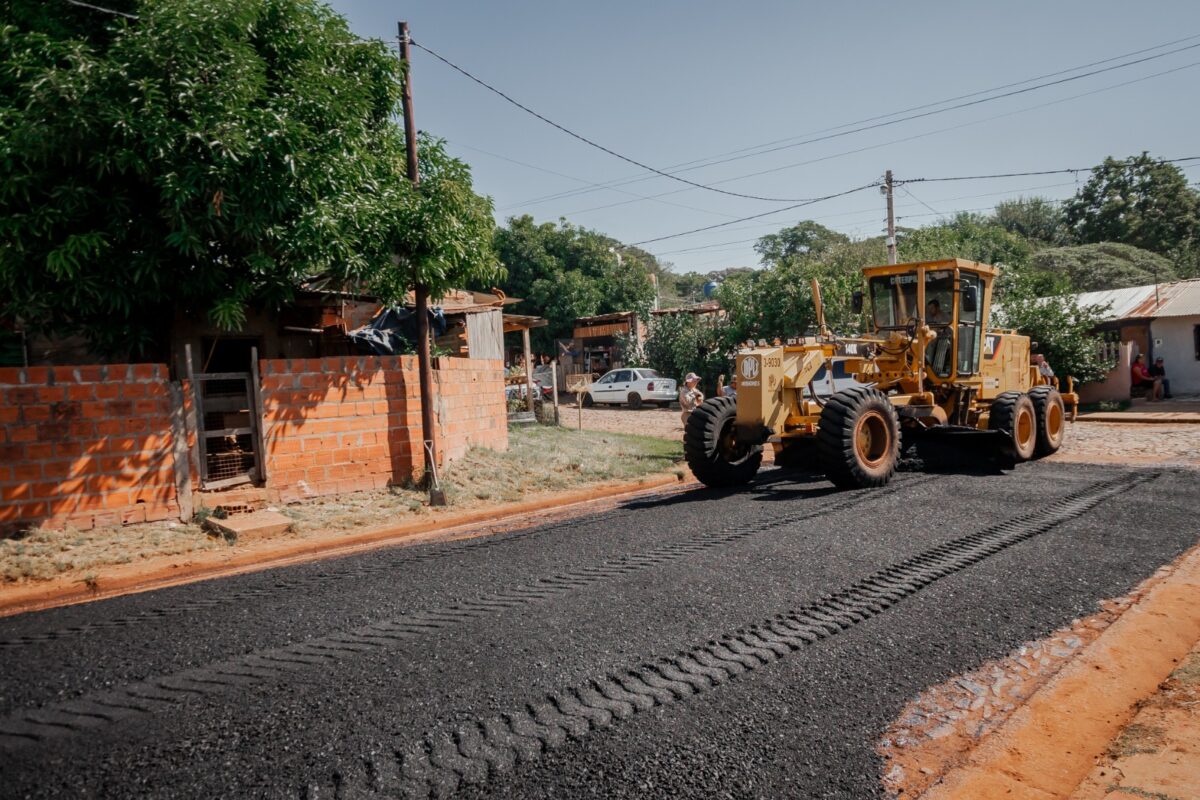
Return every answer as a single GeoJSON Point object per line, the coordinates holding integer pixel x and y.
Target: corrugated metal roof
{"type": "Point", "coordinates": [1184, 300]}
{"type": "Point", "coordinates": [1123, 301]}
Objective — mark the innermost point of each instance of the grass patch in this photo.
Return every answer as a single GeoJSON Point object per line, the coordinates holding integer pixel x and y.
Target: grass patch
{"type": "Point", "coordinates": [45, 554]}
{"type": "Point", "coordinates": [539, 459]}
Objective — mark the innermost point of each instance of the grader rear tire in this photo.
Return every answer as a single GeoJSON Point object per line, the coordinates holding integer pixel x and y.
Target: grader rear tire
{"type": "Point", "coordinates": [1051, 419]}
{"type": "Point", "coordinates": [858, 438]}
{"type": "Point", "coordinates": [1014, 414]}
{"type": "Point", "coordinates": [713, 453]}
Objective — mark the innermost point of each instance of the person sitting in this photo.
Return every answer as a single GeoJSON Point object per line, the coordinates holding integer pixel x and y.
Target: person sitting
{"type": "Point", "coordinates": [1140, 377]}
{"type": "Point", "coordinates": [1043, 367]}
{"type": "Point", "coordinates": [1157, 370]}
{"type": "Point", "coordinates": [731, 389]}
{"type": "Point", "coordinates": [934, 314]}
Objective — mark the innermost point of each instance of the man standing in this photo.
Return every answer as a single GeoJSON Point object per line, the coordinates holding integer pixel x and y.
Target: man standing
{"type": "Point", "coordinates": [1157, 370]}
{"type": "Point", "coordinates": [689, 397]}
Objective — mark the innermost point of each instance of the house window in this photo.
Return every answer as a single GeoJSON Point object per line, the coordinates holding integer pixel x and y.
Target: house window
{"type": "Point", "coordinates": [1196, 340]}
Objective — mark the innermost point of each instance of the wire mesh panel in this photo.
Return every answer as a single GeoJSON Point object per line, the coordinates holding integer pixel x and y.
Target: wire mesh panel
{"type": "Point", "coordinates": [228, 428]}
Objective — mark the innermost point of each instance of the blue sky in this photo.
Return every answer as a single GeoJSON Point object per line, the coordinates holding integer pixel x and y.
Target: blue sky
{"type": "Point", "coordinates": [671, 81]}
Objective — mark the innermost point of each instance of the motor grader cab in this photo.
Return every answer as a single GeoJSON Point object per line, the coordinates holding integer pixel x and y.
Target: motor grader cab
{"type": "Point", "coordinates": [929, 366]}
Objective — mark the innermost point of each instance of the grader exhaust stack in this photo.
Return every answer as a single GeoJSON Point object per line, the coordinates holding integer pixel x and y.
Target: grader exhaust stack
{"type": "Point", "coordinates": [930, 366]}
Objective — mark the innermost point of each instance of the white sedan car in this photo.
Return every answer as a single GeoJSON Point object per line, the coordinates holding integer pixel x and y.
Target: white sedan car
{"type": "Point", "coordinates": [633, 387]}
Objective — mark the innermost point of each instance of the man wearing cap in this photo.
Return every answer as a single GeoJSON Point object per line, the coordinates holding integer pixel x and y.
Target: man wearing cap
{"type": "Point", "coordinates": [690, 396]}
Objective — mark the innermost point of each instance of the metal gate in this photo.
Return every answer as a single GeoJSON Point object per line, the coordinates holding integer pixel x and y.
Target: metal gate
{"type": "Point", "coordinates": [228, 422]}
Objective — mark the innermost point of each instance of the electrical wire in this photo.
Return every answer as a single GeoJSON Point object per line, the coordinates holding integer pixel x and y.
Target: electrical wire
{"type": "Point", "coordinates": [1076, 170]}
{"type": "Point", "coordinates": [589, 183]}
{"type": "Point", "coordinates": [911, 138]}
{"type": "Point", "coordinates": [717, 159]}
{"type": "Point", "coordinates": [101, 9]}
{"type": "Point", "coordinates": [597, 145]}
{"type": "Point", "coordinates": [759, 216]}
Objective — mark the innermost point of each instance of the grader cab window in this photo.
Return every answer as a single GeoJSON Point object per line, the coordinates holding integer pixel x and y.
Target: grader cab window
{"type": "Point", "coordinates": [894, 300]}
{"type": "Point", "coordinates": [939, 316]}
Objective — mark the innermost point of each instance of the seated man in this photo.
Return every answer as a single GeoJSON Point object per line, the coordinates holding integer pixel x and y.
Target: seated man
{"type": "Point", "coordinates": [1140, 376]}
{"type": "Point", "coordinates": [937, 353]}
{"type": "Point", "coordinates": [1043, 367]}
{"type": "Point", "coordinates": [1157, 370]}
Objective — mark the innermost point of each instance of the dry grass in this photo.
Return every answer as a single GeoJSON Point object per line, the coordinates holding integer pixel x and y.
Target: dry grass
{"type": "Point", "coordinates": [539, 459]}
{"type": "Point", "coordinates": [43, 554]}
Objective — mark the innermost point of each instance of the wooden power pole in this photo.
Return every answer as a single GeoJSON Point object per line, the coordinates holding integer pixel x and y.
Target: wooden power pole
{"type": "Point", "coordinates": [891, 218]}
{"type": "Point", "coordinates": [420, 291]}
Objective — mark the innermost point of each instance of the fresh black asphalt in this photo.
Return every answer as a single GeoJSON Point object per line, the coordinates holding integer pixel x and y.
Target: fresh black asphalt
{"type": "Point", "coordinates": [388, 653]}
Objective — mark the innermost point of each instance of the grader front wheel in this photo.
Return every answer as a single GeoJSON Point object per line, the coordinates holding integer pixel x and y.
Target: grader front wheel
{"type": "Point", "coordinates": [1051, 419]}
{"type": "Point", "coordinates": [859, 438]}
{"type": "Point", "coordinates": [1014, 414]}
{"type": "Point", "coordinates": [711, 447]}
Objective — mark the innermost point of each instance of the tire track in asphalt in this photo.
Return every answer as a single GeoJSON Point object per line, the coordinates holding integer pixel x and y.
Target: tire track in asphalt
{"type": "Point", "coordinates": [489, 747]}
{"type": "Point", "coordinates": [93, 710]}
{"type": "Point", "coordinates": [300, 584]}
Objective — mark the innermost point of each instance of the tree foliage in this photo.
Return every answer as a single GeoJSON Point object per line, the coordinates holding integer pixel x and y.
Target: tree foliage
{"type": "Point", "coordinates": [1094, 267]}
{"type": "Point", "coordinates": [677, 344]}
{"type": "Point", "coordinates": [1063, 328]}
{"type": "Point", "coordinates": [1138, 201]}
{"type": "Point", "coordinates": [1035, 219]}
{"type": "Point", "coordinates": [210, 155]}
{"type": "Point", "coordinates": [563, 272]}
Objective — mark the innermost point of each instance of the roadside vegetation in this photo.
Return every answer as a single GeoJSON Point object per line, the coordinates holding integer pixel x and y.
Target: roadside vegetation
{"type": "Point", "coordinates": [540, 460]}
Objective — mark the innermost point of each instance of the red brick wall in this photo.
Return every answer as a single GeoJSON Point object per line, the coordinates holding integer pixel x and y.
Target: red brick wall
{"type": "Point", "coordinates": [347, 424]}
{"type": "Point", "coordinates": [85, 446]}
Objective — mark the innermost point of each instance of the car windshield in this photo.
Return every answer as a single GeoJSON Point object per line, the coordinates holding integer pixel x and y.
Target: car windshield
{"type": "Point", "coordinates": [649, 373]}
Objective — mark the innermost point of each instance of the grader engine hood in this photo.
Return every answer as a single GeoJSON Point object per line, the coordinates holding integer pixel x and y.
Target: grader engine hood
{"type": "Point", "coordinates": [769, 379]}
{"type": "Point", "coordinates": [760, 410]}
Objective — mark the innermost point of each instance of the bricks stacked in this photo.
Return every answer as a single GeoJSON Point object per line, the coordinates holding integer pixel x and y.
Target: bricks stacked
{"type": "Point", "coordinates": [345, 424]}
{"type": "Point", "coordinates": [85, 446]}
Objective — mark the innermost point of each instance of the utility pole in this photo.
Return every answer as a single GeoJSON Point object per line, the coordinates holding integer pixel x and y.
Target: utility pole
{"type": "Point", "coordinates": [420, 291]}
{"type": "Point", "coordinates": [891, 218]}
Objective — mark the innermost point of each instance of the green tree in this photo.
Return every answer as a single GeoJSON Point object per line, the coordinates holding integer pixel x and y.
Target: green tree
{"type": "Point", "coordinates": [1139, 201]}
{"type": "Point", "coordinates": [563, 272]}
{"type": "Point", "coordinates": [1063, 328]}
{"type": "Point", "coordinates": [439, 233]}
{"type": "Point", "coordinates": [1034, 218]}
{"type": "Point", "coordinates": [1093, 267]}
{"type": "Point", "coordinates": [968, 236]}
{"type": "Point", "coordinates": [677, 344]}
{"type": "Point", "coordinates": [804, 239]}
{"type": "Point", "coordinates": [210, 153]}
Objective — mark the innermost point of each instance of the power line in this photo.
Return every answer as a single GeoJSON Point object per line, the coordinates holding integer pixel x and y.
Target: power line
{"type": "Point", "coordinates": [594, 144]}
{"type": "Point", "coordinates": [1126, 162]}
{"type": "Point", "coordinates": [101, 9]}
{"type": "Point", "coordinates": [759, 216]}
{"type": "Point", "coordinates": [711, 160]}
{"type": "Point", "coordinates": [910, 138]}
{"type": "Point", "coordinates": [589, 183]}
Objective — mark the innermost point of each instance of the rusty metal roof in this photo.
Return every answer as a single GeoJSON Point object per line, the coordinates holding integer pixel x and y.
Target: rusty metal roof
{"type": "Point", "coordinates": [1182, 300]}
{"type": "Point", "coordinates": [1178, 299]}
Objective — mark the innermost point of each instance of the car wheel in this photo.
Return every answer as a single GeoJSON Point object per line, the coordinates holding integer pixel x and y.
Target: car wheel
{"type": "Point", "coordinates": [588, 400]}
{"type": "Point", "coordinates": [634, 400]}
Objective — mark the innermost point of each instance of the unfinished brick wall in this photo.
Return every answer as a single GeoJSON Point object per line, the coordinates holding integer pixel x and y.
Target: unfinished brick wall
{"type": "Point", "coordinates": [353, 423]}
{"type": "Point", "coordinates": [85, 446]}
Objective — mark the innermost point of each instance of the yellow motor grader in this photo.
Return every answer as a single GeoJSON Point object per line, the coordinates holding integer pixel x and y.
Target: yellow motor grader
{"type": "Point", "coordinates": [929, 368]}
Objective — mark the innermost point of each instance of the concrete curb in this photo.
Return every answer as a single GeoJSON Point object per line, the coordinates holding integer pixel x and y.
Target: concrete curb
{"type": "Point", "coordinates": [446, 527]}
{"type": "Point", "coordinates": [1139, 418]}
{"type": "Point", "coordinates": [1050, 744]}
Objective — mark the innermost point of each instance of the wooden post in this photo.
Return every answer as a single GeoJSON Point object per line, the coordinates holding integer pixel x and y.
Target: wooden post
{"type": "Point", "coordinates": [528, 368]}
{"type": "Point", "coordinates": [420, 290]}
{"type": "Point", "coordinates": [554, 389]}
{"type": "Point", "coordinates": [179, 447]}
{"type": "Point", "coordinates": [256, 410]}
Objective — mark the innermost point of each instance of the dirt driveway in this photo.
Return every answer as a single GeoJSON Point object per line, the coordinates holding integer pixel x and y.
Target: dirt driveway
{"type": "Point", "coordinates": [1087, 442]}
